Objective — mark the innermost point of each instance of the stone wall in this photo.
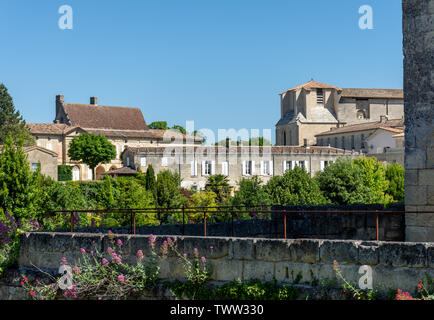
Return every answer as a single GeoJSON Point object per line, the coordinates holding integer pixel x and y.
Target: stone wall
{"type": "Point", "coordinates": [418, 29]}
{"type": "Point", "coordinates": [394, 265]}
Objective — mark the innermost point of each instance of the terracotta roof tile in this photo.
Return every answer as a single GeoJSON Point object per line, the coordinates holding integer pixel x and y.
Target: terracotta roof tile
{"type": "Point", "coordinates": [103, 117]}
{"type": "Point", "coordinates": [390, 124]}
{"type": "Point", "coordinates": [313, 85]}
{"type": "Point", "coordinates": [48, 128]}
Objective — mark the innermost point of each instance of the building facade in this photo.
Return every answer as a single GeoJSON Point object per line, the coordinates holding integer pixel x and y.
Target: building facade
{"type": "Point", "coordinates": [314, 107]}
{"type": "Point", "coordinates": [196, 163]}
{"type": "Point", "coordinates": [123, 126]}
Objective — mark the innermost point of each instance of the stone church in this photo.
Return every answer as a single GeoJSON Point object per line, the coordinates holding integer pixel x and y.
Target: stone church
{"type": "Point", "coordinates": [313, 108]}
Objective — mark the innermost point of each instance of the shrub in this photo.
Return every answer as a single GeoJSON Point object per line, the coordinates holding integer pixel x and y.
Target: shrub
{"type": "Point", "coordinates": [64, 173]}
{"type": "Point", "coordinates": [395, 176]}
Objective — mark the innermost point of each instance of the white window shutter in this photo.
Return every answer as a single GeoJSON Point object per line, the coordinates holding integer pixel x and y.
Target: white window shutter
{"type": "Point", "coordinates": [262, 172]}
{"type": "Point", "coordinates": [253, 168]}
{"type": "Point", "coordinates": [212, 167]}
{"type": "Point", "coordinates": [244, 167]}
{"type": "Point", "coordinates": [292, 165]}
{"type": "Point", "coordinates": [192, 171]}
{"type": "Point", "coordinates": [143, 161]}
{"type": "Point", "coordinates": [203, 168]}
{"type": "Point", "coordinates": [322, 165]}
{"type": "Point", "coordinates": [271, 168]}
{"type": "Point", "coordinates": [306, 165]}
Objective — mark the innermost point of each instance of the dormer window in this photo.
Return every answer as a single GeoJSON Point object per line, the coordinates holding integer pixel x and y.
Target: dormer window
{"type": "Point", "coordinates": [319, 96]}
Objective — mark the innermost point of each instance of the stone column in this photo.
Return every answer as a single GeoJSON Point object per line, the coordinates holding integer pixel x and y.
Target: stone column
{"type": "Point", "coordinates": [418, 30]}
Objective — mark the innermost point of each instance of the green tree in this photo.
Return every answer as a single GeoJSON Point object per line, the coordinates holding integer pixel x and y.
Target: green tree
{"type": "Point", "coordinates": [259, 141]}
{"type": "Point", "coordinates": [150, 181]}
{"type": "Point", "coordinates": [179, 128]}
{"type": "Point", "coordinates": [11, 121]}
{"type": "Point", "coordinates": [374, 176]}
{"type": "Point", "coordinates": [168, 190]}
{"type": "Point", "coordinates": [203, 199]}
{"type": "Point", "coordinates": [250, 192]}
{"type": "Point", "coordinates": [159, 125]}
{"type": "Point", "coordinates": [295, 187]}
{"type": "Point", "coordinates": [395, 176]}
{"type": "Point", "coordinates": [18, 184]}
{"type": "Point", "coordinates": [344, 183]}
{"type": "Point", "coordinates": [92, 150]}
{"type": "Point", "coordinates": [219, 184]}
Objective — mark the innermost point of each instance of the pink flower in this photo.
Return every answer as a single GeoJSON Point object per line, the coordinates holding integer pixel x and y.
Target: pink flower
{"type": "Point", "coordinates": [151, 240]}
{"type": "Point", "coordinates": [110, 250]}
{"type": "Point", "coordinates": [185, 255]}
{"type": "Point", "coordinates": [91, 252]}
{"type": "Point", "coordinates": [119, 242]}
{"type": "Point", "coordinates": [139, 255]}
{"type": "Point", "coordinates": [211, 247]}
{"type": "Point", "coordinates": [32, 293]}
{"type": "Point", "coordinates": [203, 259]}
{"type": "Point", "coordinates": [99, 298]}
{"type": "Point", "coordinates": [82, 250]}
{"type": "Point", "coordinates": [170, 242]}
{"type": "Point", "coordinates": [105, 261]}
{"type": "Point", "coordinates": [196, 252]}
{"type": "Point", "coordinates": [22, 283]}
{"type": "Point", "coordinates": [77, 270]}
{"type": "Point", "coordinates": [64, 261]}
{"type": "Point", "coordinates": [121, 278]}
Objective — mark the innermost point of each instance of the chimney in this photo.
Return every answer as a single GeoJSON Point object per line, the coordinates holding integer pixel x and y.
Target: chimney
{"type": "Point", "coordinates": [94, 101]}
{"type": "Point", "coordinates": [228, 143]}
{"type": "Point", "coordinates": [383, 119]}
{"type": "Point", "coordinates": [60, 98]}
{"type": "Point", "coordinates": [239, 143]}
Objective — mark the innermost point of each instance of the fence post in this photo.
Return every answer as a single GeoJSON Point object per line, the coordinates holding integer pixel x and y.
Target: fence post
{"type": "Point", "coordinates": [183, 219]}
{"type": "Point", "coordinates": [204, 223]}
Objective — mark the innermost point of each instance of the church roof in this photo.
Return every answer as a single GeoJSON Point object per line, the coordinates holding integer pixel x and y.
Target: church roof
{"type": "Point", "coordinates": [103, 117]}
{"type": "Point", "coordinates": [373, 93]}
{"type": "Point", "coordinates": [389, 125]}
{"type": "Point", "coordinates": [48, 128]}
{"type": "Point", "coordinates": [313, 85]}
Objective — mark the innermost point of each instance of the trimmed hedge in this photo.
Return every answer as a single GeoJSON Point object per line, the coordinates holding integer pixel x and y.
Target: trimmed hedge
{"type": "Point", "coordinates": [64, 173]}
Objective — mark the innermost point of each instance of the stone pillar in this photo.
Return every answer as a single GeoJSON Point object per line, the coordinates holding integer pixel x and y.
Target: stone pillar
{"type": "Point", "coordinates": [418, 30]}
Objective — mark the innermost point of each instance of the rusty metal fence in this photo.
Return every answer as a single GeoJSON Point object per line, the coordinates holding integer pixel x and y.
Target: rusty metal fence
{"type": "Point", "coordinates": [227, 214]}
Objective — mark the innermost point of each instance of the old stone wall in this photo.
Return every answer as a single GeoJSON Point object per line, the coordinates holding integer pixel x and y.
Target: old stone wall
{"type": "Point", "coordinates": [394, 264]}
{"type": "Point", "coordinates": [418, 29]}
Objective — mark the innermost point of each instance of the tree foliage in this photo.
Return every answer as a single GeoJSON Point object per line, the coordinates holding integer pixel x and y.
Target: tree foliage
{"type": "Point", "coordinates": [18, 184]}
{"type": "Point", "coordinates": [219, 184]}
{"type": "Point", "coordinates": [168, 191]}
{"type": "Point", "coordinates": [251, 192]}
{"type": "Point", "coordinates": [11, 121]}
{"type": "Point", "coordinates": [92, 150]}
{"type": "Point", "coordinates": [158, 125]}
{"type": "Point", "coordinates": [295, 187]}
{"type": "Point", "coordinates": [395, 176]}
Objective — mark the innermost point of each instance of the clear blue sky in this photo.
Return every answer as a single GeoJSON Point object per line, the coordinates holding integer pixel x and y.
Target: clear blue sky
{"type": "Point", "coordinates": [220, 63]}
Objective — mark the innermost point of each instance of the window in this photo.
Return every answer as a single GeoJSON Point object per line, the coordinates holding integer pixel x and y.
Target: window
{"type": "Point", "coordinates": [328, 141]}
{"type": "Point", "coordinates": [361, 115]}
{"type": "Point", "coordinates": [266, 168]}
{"type": "Point", "coordinates": [35, 167]}
{"type": "Point", "coordinates": [49, 146]}
{"type": "Point", "coordinates": [362, 139]}
{"type": "Point", "coordinates": [143, 161]}
{"type": "Point", "coordinates": [320, 141]}
{"type": "Point", "coordinates": [319, 96]}
{"type": "Point", "coordinates": [248, 168]}
{"type": "Point", "coordinates": [352, 142]}
{"type": "Point", "coordinates": [193, 168]}
{"type": "Point", "coordinates": [343, 142]}
{"type": "Point", "coordinates": [208, 168]}
{"type": "Point", "coordinates": [164, 162]}
{"type": "Point", "coordinates": [75, 173]}
{"type": "Point", "coordinates": [225, 168]}
{"type": "Point", "coordinates": [128, 161]}
{"type": "Point", "coordinates": [89, 174]}
{"type": "Point", "coordinates": [284, 138]}
{"type": "Point", "coordinates": [287, 165]}
{"type": "Point", "coordinates": [324, 164]}
{"type": "Point", "coordinates": [336, 143]}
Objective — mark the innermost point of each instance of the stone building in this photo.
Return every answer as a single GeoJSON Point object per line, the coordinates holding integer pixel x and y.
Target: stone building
{"type": "Point", "coordinates": [123, 126]}
{"type": "Point", "coordinates": [195, 164]}
{"type": "Point", "coordinates": [42, 158]}
{"type": "Point", "coordinates": [314, 107]}
{"type": "Point", "coordinates": [380, 139]}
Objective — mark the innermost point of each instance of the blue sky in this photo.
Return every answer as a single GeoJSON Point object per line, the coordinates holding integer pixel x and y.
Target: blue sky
{"type": "Point", "coordinates": [221, 63]}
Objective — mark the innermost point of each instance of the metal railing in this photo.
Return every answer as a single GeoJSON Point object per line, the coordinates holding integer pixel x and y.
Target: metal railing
{"type": "Point", "coordinates": [208, 214]}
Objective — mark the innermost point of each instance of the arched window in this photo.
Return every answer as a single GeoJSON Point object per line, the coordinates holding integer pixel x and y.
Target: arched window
{"type": "Point", "coordinates": [361, 115]}
{"type": "Point", "coordinates": [76, 173]}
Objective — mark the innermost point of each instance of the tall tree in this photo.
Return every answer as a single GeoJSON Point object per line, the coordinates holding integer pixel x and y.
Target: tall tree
{"type": "Point", "coordinates": [92, 150]}
{"type": "Point", "coordinates": [395, 175]}
{"type": "Point", "coordinates": [159, 125]}
{"type": "Point", "coordinates": [18, 184]}
{"type": "Point", "coordinates": [150, 181]}
{"type": "Point", "coordinates": [11, 121]}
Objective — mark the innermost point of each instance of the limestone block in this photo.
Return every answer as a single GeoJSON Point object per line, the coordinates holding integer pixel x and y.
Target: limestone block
{"type": "Point", "coordinates": [305, 250]}
{"type": "Point", "coordinates": [402, 254]}
{"type": "Point", "coordinates": [226, 269]}
{"type": "Point", "coordinates": [222, 247]}
{"type": "Point", "coordinates": [86, 241]}
{"type": "Point", "coordinates": [430, 255]}
{"type": "Point", "coordinates": [258, 270]}
{"type": "Point", "coordinates": [171, 268]}
{"type": "Point", "coordinates": [426, 177]}
{"type": "Point", "coordinates": [273, 250]}
{"type": "Point", "coordinates": [405, 279]}
{"type": "Point", "coordinates": [415, 195]}
{"type": "Point", "coordinates": [368, 254]}
{"type": "Point", "coordinates": [411, 177]}
{"type": "Point", "coordinates": [341, 251]}
{"type": "Point", "coordinates": [419, 234]}
{"type": "Point", "coordinates": [243, 250]}
{"type": "Point", "coordinates": [288, 271]}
